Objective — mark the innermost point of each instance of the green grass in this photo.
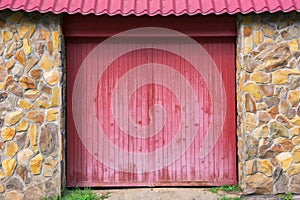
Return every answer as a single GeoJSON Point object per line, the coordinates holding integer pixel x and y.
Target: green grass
{"type": "Point", "coordinates": [230, 198]}
{"type": "Point", "coordinates": [78, 194]}
{"type": "Point", "coordinates": [286, 196]}
{"type": "Point", "coordinates": [226, 188]}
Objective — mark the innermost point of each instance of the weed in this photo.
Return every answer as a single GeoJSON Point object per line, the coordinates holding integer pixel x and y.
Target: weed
{"type": "Point", "coordinates": [230, 198]}
{"type": "Point", "coordinates": [78, 194]}
{"type": "Point", "coordinates": [104, 196]}
{"type": "Point", "coordinates": [226, 188]}
{"type": "Point", "coordinates": [214, 189]}
{"type": "Point", "coordinates": [286, 196]}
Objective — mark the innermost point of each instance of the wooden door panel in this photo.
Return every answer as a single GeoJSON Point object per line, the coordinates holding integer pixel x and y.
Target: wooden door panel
{"type": "Point", "coordinates": [83, 167]}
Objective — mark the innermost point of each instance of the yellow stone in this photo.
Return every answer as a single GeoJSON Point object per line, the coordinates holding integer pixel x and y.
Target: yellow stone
{"type": "Point", "coordinates": [280, 76]}
{"type": "Point", "coordinates": [35, 149]}
{"type": "Point", "coordinates": [283, 106]}
{"type": "Point", "coordinates": [248, 44]}
{"type": "Point", "coordinates": [2, 175]}
{"type": "Point", "coordinates": [13, 117]}
{"type": "Point", "coordinates": [1, 86]}
{"type": "Point", "coordinates": [261, 106]}
{"type": "Point", "coordinates": [9, 64]}
{"type": "Point", "coordinates": [46, 62]}
{"type": "Point", "coordinates": [42, 102]}
{"type": "Point", "coordinates": [57, 59]}
{"type": "Point", "coordinates": [17, 39]}
{"type": "Point", "coordinates": [293, 97]}
{"type": "Point", "coordinates": [61, 145]}
{"type": "Point", "coordinates": [296, 120]}
{"type": "Point", "coordinates": [261, 132]}
{"type": "Point", "coordinates": [8, 166]}
{"type": "Point", "coordinates": [45, 35]}
{"type": "Point", "coordinates": [23, 125]}
{"type": "Point", "coordinates": [259, 77]}
{"type": "Point", "coordinates": [35, 164]}
{"type": "Point", "coordinates": [32, 132]}
{"type": "Point", "coordinates": [258, 37]}
{"type": "Point", "coordinates": [19, 56]}
{"type": "Point", "coordinates": [24, 104]}
{"type": "Point", "coordinates": [8, 133]}
{"type": "Point", "coordinates": [26, 28]}
{"type": "Point", "coordinates": [32, 94]}
{"type": "Point", "coordinates": [278, 140]}
{"type": "Point", "coordinates": [238, 65]}
{"type": "Point", "coordinates": [250, 167]}
{"type": "Point", "coordinates": [31, 61]}
{"type": "Point", "coordinates": [15, 17]}
{"type": "Point", "coordinates": [250, 122]}
{"type": "Point", "coordinates": [265, 167]}
{"type": "Point", "coordinates": [11, 149]}
{"type": "Point", "coordinates": [285, 159]}
{"type": "Point", "coordinates": [50, 47]}
{"type": "Point", "coordinates": [26, 82]}
{"type": "Point", "coordinates": [247, 31]}
{"type": "Point", "coordinates": [294, 131]}
{"type": "Point", "coordinates": [296, 140]}
{"type": "Point", "coordinates": [52, 114]}
{"type": "Point", "coordinates": [6, 36]}
{"type": "Point", "coordinates": [26, 46]}
{"type": "Point", "coordinates": [293, 169]}
{"type": "Point", "coordinates": [254, 90]}
{"type": "Point", "coordinates": [55, 96]}
{"type": "Point", "coordinates": [49, 163]}
{"type": "Point", "coordinates": [293, 45]}
{"type": "Point", "coordinates": [261, 181]}
{"type": "Point", "coordinates": [55, 40]}
{"type": "Point", "coordinates": [296, 154]}
{"type": "Point", "coordinates": [51, 77]}
{"type": "Point", "coordinates": [268, 41]}
{"type": "Point", "coordinates": [10, 49]}
{"type": "Point", "coordinates": [36, 116]}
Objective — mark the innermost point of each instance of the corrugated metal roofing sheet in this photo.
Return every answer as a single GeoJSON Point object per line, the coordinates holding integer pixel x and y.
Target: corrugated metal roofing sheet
{"type": "Point", "coordinates": [152, 7]}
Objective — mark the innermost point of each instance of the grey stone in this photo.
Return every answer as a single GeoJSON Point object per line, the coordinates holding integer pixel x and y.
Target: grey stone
{"type": "Point", "coordinates": [278, 130]}
{"type": "Point", "coordinates": [295, 184]}
{"type": "Point", "coordinates": [33, 193]}
{"type": "Point", "coordinates": [290, 33]}
{"type": "Point", "coordinates": [294, 82]}
{"type": "Point", "coordinates": [15, 183]}
{"type": "Point", "coordinates": [23, 172]}
{"type": "Point", "coordinates": [271, 101]}
{"type": "Point", "coordinates": [281, 185]}
{"type": "Point", "coordinates": [17, 70]}
{"type": "Point", "coordinates": [3, 96]}
{"type": "Point", "coordinates": [21, 139]}
{"type": "Point", "coordinates": [48, 138]}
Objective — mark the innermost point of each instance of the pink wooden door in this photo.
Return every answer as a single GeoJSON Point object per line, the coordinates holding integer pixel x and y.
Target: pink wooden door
{"type": "Point", "coordinates": [132, 134]}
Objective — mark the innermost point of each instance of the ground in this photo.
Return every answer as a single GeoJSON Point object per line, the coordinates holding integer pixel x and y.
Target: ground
{"type": "Point", "coordinates": [164, 194]}
{"type": "Point", "coordinates": [179, 194]}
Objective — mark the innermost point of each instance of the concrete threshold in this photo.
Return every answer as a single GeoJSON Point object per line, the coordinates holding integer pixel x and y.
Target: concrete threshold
{"type": "Point", "coordinates": [163, 194]}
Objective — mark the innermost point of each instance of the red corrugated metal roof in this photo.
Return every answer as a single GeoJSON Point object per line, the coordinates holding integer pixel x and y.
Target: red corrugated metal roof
{"type": "Point", "coordinates": [152, 7]}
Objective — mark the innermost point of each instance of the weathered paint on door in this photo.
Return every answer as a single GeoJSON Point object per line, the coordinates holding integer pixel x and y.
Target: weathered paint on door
{"type": "Point", "coordinates": [85, 168]}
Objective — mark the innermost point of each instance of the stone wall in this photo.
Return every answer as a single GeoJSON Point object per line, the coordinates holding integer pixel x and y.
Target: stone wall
{"type": "Point", "coordinates": [30, 105]}
{"type": "Point", "coordinates": [268, 80]}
